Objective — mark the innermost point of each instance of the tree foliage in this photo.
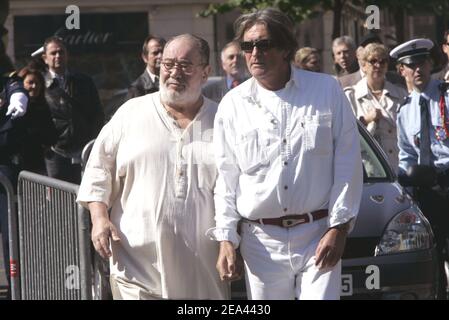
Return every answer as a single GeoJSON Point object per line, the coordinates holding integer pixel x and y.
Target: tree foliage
{"type": "Point", "coordinates": [299, 10]}
{"type": "Point", "coordinates": [303, 9]}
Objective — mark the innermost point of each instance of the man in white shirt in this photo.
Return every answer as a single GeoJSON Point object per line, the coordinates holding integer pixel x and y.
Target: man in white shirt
{"type": "Point", "coordinates": [152, 166]}
{"type": "Point", "coordinates": [290, 172]}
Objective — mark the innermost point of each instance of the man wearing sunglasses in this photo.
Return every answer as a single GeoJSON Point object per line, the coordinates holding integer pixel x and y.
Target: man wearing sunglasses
{"type": "Point", "coordinates": [290, 175]}
{"type": "Point", "coordinates": [423, 140]}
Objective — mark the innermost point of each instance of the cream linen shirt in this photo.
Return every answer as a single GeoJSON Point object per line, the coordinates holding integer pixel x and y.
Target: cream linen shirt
{"type": "Point", "coordinates": [285, 152]}
{"type": "Point", "coordinates": [158, 181]}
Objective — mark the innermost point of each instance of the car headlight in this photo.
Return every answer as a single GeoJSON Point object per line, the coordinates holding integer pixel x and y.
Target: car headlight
{"type": "Point", "coordinates": [407, 231]}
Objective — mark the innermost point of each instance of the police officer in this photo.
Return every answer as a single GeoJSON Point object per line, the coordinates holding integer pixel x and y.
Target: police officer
{"type": "Point", "coordinates": [423, 140]}
{"type": "Point", "coordinates": [13, 105]}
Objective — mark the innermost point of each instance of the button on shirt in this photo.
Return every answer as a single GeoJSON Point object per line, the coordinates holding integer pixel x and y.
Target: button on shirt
{"type": "Point", "coordinates": [409, 128]}
{"type": "Point", "coordinates": [291, 151]}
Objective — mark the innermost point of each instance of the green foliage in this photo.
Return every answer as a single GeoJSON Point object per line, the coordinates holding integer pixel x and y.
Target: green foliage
{"type": "Point", "coordinates": [300, 10]}
{"type": "Point", "coordinates": [297, 9]}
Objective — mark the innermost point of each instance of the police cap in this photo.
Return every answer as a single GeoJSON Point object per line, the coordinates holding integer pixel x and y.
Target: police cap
{"type": "Point", "coordinates": [413, 51]}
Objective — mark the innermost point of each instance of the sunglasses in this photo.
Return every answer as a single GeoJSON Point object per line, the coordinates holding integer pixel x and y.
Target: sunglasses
{"type": "Point", "coordinates": [379, 61]}
{"type": "Point", "coordinates": [262, 45]}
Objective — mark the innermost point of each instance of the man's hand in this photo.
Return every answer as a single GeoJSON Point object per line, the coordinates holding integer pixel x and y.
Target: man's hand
{"type": "Point", "coordinates": [17, 105]}
{"type": "Point", "coordinates": [227, 262]}
{"type": "Point", "coordinates": [102, 229]}
{"type": "Point", "coordinates": [331, 247]}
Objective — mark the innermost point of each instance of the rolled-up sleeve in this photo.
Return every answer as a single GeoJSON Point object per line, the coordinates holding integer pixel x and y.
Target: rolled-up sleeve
{"type": "Point", "coordinates": [100, 180]}
{"type": "Point", "coordinates": [347, 186]}
{"type": "Point", "coordinates": [226, 215]}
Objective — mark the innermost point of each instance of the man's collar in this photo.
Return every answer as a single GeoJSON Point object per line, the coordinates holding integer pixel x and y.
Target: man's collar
{"type": "Point", "coordinates": [293, 81]}
{"type": "Point", "coordinates": [50, 75]}
{"type": "Point", "coordinates": [152, 75]}
{"type": "Point", "coordinates": [229, 81]}
{"type": "Point", "coordinates": [430, 91]}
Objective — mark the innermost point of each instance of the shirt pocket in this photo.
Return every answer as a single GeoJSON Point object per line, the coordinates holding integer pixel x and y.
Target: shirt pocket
{"type": "Point", "coordinates": [318, 134]}
{"type": "Point", "coordinates": [251, 150]}
{"type": "Point", "coordinates": [207, 175]}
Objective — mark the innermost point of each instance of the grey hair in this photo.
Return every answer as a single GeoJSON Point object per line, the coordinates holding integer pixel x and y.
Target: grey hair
{"type": "Point", "coordinates": [227, 45]}
{"type": "Point", "coordinates": [347, 40]}
{"type": "Point", "coordinates": [201, 44]}
{"type": "Point", "coordinates": [279, 26]}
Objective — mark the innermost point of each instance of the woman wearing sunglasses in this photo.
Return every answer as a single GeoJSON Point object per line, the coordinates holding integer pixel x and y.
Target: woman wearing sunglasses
{"type": "Point", "coordinates": [375, 100]}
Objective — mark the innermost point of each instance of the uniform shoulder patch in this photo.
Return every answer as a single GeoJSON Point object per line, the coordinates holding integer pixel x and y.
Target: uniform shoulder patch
{"type": "Point", "coordinates": [404, 103]}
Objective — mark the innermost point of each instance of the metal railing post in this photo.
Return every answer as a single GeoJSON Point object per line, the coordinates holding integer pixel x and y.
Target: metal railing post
{"type": "Point", "coordinates": [13, 238]}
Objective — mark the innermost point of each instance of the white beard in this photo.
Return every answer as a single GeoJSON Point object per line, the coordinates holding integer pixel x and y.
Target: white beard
{"type": "Point", "coordinates": [172, 97]}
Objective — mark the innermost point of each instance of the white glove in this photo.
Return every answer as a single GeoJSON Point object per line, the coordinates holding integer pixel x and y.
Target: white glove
{"type": "Point", "coordinates": [18, 104]}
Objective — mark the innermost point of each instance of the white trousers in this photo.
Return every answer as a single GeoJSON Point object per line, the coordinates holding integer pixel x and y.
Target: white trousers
{"type": "Point", "coordinates": [124, 290]}
{"type": "Point", "coordinates": [280, 263]}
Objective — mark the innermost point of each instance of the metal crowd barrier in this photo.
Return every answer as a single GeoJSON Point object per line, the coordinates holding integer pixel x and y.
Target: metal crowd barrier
{"type": "Point", "coordinates": [51, 255]}
{"type": "Point", "coordinates": [13, 244]}
{"type": "Point", "coordinates": [54, 242]}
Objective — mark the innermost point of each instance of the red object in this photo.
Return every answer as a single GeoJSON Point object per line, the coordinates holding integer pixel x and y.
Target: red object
{"type": "Point", "coordinates": [443, 115]}
{"type": "Point", "coordinates": [13, 268]}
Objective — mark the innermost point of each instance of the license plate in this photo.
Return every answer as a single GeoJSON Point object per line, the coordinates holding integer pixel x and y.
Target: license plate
{"type": "Point", "coordinates": [346, 285]}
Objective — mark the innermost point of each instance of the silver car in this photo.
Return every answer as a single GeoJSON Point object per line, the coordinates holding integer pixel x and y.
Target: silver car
{"type": "Point", "coordinates": [391, 253]}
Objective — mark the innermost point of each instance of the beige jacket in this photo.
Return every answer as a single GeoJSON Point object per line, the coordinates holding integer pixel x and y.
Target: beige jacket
{"type": "Point", "coordinates": [383, 130]}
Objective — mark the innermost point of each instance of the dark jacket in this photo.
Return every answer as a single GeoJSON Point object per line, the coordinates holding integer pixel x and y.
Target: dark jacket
{"type": "Point", "coordinates": [215, 90]}
{"type": "Point", "coordinates": [77, 113]}
{"type": "Point", "coordinates": [40, 134]}
{"type": "Point", "coordinates": [142, 86]}
{"type": "Point", "coordinates": [11, 131]}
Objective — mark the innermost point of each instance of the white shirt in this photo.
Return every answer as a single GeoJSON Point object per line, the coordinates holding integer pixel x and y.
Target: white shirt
{"type": "Point", "coordinates": [158, 179]}
{"type": "Point", "coordinates": [50, 75]}
{"type": "Point", "coordinates": [285, 152]}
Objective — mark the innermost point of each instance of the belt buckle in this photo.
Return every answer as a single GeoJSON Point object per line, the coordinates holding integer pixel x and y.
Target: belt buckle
{"type": "Point", "coordinates": [287, 223]}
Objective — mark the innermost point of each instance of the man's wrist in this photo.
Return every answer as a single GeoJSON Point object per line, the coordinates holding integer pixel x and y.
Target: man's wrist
{"type": "Point", "coordinates": [344, 227]}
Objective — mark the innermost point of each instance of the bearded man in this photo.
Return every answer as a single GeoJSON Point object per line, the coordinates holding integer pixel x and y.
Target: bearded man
{"type": "Point", "coordinates": [152, 166]}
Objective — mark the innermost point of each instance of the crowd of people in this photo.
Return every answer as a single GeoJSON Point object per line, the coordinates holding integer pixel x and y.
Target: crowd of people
{"type": "Point", "coordinates": [258, 171]}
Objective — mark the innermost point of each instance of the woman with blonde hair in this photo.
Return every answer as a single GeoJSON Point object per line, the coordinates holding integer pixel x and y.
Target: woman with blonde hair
{"type": "Point", "coordinates": [308, 59]}
{"type": "Point", "coordinates": [375, 100]}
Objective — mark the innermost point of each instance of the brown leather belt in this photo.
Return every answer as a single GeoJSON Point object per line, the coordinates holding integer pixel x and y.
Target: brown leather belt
{"type": "Point", "coordinates": [292, 220]}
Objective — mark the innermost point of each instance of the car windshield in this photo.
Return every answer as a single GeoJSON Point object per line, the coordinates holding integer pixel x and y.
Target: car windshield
{"type": "Point", "coordinates": [375, 165]}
